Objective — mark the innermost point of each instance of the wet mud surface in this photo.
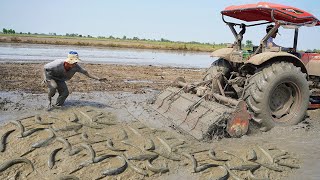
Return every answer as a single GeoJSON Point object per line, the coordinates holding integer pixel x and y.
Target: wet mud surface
{"type": "Point", "coordinates": [125, 120]}
{"type": "Point", "coordinates": [114, 129]}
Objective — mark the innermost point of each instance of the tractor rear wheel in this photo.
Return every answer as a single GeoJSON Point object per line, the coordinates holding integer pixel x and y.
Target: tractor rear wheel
{"type": "Point", "coordinates": [278, 95]}
{"type": "Point", "coordinates": [217, 71]}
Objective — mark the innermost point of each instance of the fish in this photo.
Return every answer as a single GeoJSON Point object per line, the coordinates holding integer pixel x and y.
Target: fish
{"type": "Point", "coordinates": [233, 175]}
{"type": "Point", "coordinates": [226, 152]}
{"type": "Point", "coordinates": [85, 137]}
{"type": "Point", "coordinates": [253, 177]}
{"type": "Point", "coordinates": [134, 131]}
{"type": "Point", "coordinates": [73, 117]}
{"type": "Point", "coordinates": [24, 133]}
{"type": "Point", "coordinates": [150, 146]}
{"type": "Point", "coordinates": [175, 145]}
{"type": "Point", "coordinates": [157, 169]}
{"type": "Point", "coordinates": [267, 154]}
{"type": "Point", "coordinates": [135, 168]}
{"type": "Point", "coordinates": [193, 160]}
{"type": "Point", "coordinates": [251, 155]}
{"type": "Point", "coordinates": [125, 134]}
{"type": "Point", "coordinates": [38, 120]}
{"type": "Point", "coordinates": [204, 167]}
{"type": "Point", "coordinates": [245, 167]}
{"type": "Point", "coordinates": [75, 151]}
{"type": "Point", "coordinates": [74, 127]}
{"type": "Point", "coordinates": [117, 170]}
{"type": "Point", "coordinates": [91, 151]}
{"type": "Point", "coordinates": [126, 142]}
{"type": "Point", "coordinates": [95, 159]}
{"type": "Point", "coordinates": [167, 156]}
{"type": "Point", "coordinates": [289, 165]}
{"type": "Point", "coordinates": [52, 155]}
{"type": "Point", "coordinates": [86, 115]}
{"type": "Point", "coordinates": [269, 166]}
{"type": "Point", "coordinates": [68, 177]}
{"type": "Point", "coordinates": [3, 140]}
{"type": "Point", "coordinates": [31, 131]}
{"type": "Point", "coordinates": [65, 142]}
{"type": "Point", "coordinates": [225, 175]}
{"type": "Point", "coordinates": [95, 117]}
{"type": "Point", "coordinates": [44, 142]}
{"type": "Point", "coordinates": [12, 162]}
{"type": "Point", "coordinates": [90, 125]}
{"type": "Point", "coordinates": [143, 157]}
{"type": "Point", "coordinates": [20, 126]}
{"type": "Point", "coordinates": [111, 147]}
{"type": "Point", "coordinates": [213, 156]}
{"type": "Point", "coordinates": [165, 144]}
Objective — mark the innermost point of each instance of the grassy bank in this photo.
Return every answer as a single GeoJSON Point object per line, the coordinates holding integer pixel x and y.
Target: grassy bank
{"type": "Point", "coordinates": [105, 42]}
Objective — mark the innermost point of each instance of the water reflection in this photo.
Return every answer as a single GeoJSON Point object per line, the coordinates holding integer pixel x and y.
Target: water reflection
{"type": "Point", "coordinates": [39, 53]}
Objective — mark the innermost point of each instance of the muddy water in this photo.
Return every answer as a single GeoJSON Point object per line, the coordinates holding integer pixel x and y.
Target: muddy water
{"type": "Point", "coordinates": [35, 53]}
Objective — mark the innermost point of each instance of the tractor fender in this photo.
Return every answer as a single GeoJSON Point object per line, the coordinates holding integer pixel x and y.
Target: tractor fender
{"type": "Point", "coordinates": [223, 53]}
{"type": "Point", "coordinates": [272, 57]}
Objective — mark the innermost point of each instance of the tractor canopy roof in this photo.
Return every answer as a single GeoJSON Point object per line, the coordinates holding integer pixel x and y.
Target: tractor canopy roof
{"type": "Point", "coordinates": [272, 13]}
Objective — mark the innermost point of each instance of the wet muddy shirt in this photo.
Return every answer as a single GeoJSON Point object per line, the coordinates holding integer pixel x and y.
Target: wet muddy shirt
{"type": "Point", "coordinates": [55, 70]}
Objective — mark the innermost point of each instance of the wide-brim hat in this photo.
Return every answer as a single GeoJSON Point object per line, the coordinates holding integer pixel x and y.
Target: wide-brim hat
{"type": "Point", "coordinates": [73, 57]}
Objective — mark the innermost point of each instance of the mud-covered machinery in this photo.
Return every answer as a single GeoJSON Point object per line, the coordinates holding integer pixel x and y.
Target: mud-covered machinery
{"type": "Point", "coordinates": [265, 86]}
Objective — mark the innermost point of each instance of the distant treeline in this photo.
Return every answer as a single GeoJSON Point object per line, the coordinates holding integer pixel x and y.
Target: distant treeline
{"type": "Point", "coordinates": [175, 45]}
{"type": "Point", "coordinates": [11, 31]}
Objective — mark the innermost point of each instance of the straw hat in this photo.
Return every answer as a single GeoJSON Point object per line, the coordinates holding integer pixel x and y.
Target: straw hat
{"type": "Point", "coordinates": [73, 57]}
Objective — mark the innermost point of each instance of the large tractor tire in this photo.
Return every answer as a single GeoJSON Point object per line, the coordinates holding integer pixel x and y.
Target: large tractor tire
{"type": "Point", "coordinates": [278, 95]}
{"type": "Point", "coordinates": [217, 71]}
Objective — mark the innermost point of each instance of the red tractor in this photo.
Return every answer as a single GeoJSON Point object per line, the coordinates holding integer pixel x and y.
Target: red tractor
{"type": "Point", "coordinates": [269, 85]}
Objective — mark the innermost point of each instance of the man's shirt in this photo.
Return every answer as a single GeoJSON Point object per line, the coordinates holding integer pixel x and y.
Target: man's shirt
{"type": "Point", "coordinates": [55, 70]}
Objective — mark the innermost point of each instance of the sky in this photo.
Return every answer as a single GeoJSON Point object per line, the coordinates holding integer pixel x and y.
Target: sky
{"type": "Point", "coordinates": [179, 20]}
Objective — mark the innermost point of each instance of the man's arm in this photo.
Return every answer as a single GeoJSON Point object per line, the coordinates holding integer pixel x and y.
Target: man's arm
{"type": "Point", "coordinates": [92, 76]}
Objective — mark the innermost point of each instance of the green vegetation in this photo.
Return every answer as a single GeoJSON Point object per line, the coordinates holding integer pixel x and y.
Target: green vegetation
{"type": "Point", "coordinates": [111, 41]}
{"type": "Point", "coordinates": [107, 41]}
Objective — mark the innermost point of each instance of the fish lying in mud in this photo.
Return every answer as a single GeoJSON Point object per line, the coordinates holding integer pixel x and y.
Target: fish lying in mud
{"type": "Point", "coordinates": [165, 144]}
{"type": "Point", "coordinates": [135, 168]}
{"type": "Point", "coordinates": [267, 154]}
{"type": "Point", "coordinates": [157, 169]}
{"type": "Point", "coordinates": [68, 177]}
{"type": "Point", "coordinates": [213, 156]}
{"type": "Point", "coordinates": [251, 155]}
{"type": "Point", "coordinates": [74, 127]}
{"type": "Point", "coordinates": [95, 159]}
{"type": "Point", "coordinates": [233, 175]}
{"type": "Point", "coordinates": [38, 120]}
{"type": "Point", "coordinates": [150, 145]}
{"type": "Point", "coordinates": [168, 156]}
{"type": "Point", "coordinates": [3, 140]}
{"type": "Point", "coordinates": [117, 170]}
{"type": "Point", "coordinates": [224, 176]}
{"type": "Point", "coordinates": [127, 142]}
{"type": "Point", "coordinates": [143, 157]}
{"type": "Point", "coordinates": [24, 133]}
{"type": "Point", "coordinates": [245, 167]}
{"type": "Point", "coordinates": [12, 162]}
{"type": "Point", "coordinates": [195, 166]}
{"type": "Point", "coordinates": [110, 146]}
{"type": "Point", "coordinates": [73, 117]}
{"type": "Point", "coordinates": [45, 142]}
{"type": "Point", "coordinates": [51, 160]}
{"type": "Point", "coordinates": [253, 177]}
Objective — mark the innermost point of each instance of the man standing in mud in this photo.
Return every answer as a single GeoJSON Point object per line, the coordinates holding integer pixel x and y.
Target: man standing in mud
{"type": "Point", "coordinates": [59, 71]}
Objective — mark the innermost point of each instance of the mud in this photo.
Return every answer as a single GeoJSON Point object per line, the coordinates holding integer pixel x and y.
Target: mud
{"type": "Point", "coordinates": [126, 116]}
